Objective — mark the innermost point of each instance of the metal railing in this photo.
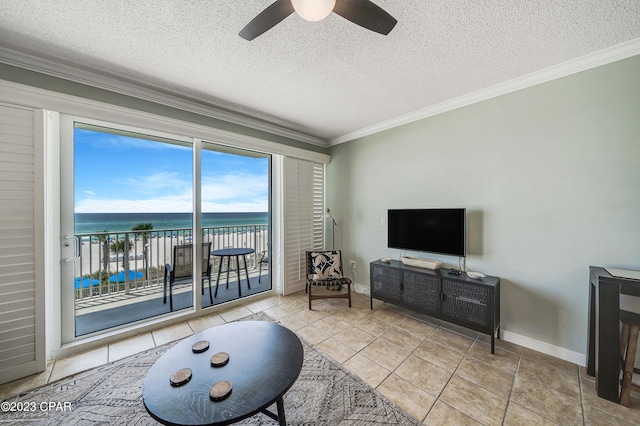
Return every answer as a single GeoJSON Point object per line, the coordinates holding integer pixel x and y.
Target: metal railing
{"type": "Point", "coordinates": [122, 262]}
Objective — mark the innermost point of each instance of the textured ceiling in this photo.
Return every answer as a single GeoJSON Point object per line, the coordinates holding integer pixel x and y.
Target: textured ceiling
{"type": "Point", "coordinates": [325, 79]}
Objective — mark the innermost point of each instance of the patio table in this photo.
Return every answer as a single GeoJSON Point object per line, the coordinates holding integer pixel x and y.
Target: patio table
{"type": "Point", "coordinates": [228, 253]}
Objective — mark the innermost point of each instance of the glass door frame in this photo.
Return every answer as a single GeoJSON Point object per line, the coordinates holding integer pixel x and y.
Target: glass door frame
{"type": "Point", "coordinates": [67, 211]}
{"type": "Point", "coordinates": [271, 206]}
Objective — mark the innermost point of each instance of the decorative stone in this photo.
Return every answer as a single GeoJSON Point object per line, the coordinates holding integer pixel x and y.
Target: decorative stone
{"type": "Point", "coordinates": [220, 359]}
{"type": "Point", "coordinates": [220, 390]}
{"type": "Point", "coordinates": [200, 346]}
{"type": "Point", "coordinates": [181, 377]}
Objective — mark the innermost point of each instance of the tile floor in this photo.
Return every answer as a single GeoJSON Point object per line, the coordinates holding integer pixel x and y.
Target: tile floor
{"type": "Point", "coordinates": [439, 373]}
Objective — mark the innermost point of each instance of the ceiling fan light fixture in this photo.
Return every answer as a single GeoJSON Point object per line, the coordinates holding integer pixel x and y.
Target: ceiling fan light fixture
{"type": "Point", "coordinates": [313, 10]}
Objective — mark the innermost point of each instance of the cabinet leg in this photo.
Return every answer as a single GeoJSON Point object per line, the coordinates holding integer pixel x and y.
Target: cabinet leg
{"type": "Point", "coordinates": [493, 345]}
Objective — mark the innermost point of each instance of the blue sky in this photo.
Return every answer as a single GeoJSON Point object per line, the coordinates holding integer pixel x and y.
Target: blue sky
{"type": "Point", "coordinates": [122, 174]}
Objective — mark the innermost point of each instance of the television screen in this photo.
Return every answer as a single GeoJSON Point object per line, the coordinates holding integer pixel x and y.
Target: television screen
{"type": "Point", "coordinates": [431, 230]}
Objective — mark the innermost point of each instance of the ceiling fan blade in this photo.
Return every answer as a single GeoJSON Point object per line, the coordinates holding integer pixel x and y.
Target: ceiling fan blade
{"type": "Point", "coordinates": [267, 19]}
{"type": "Point", "coordinates": [366, 14]}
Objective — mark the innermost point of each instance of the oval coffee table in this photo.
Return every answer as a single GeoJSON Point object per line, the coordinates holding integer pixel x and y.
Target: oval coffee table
{"type": "Point", "coordinates": [265, 360]}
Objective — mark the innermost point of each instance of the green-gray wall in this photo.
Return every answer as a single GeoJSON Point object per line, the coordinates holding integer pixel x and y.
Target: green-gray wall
{"type": "Point", "coordinates": [550, 177]}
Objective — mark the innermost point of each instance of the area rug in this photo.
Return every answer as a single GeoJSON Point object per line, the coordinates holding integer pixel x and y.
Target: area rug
{"type": "Point", "coordinates": [324, 394]}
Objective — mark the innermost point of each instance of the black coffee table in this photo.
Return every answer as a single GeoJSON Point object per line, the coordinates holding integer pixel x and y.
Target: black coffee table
{"type": "Point", "coordinates": [265, 360]}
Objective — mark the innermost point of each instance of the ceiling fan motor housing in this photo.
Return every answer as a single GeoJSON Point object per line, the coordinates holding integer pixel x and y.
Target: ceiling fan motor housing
{"type": "Point", "coordinates": [313, 10]}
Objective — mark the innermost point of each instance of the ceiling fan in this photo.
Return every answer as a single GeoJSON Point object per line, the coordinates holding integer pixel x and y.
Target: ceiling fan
{"type": "Point", "coordinates": [360, 12]}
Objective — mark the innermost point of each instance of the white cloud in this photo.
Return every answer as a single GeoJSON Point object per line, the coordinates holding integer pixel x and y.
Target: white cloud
{"type": "Point", "coordinates": [97, 205]}
{"type": "Point", "coordinates": [156, 183]}
{"type": "Point", "coordinates": [171, 204]}
{"type": "Point", "coordinates": [168, 192]}
{"type": "Point", "coordinates": [239, 207]}
{"type": "Point", "coordinates": [234, 187]}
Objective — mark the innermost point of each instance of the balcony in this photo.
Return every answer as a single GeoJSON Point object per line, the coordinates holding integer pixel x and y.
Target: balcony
{"type": "Point", "coordinates": [119, 276]}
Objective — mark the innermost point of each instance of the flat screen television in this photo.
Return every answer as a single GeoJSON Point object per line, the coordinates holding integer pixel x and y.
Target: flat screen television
{"type": "Point", "coordinates": [439, 231]}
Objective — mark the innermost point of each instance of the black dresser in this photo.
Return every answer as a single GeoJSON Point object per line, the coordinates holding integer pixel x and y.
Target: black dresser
{"type": "Point", "coordinates": [458, 299]}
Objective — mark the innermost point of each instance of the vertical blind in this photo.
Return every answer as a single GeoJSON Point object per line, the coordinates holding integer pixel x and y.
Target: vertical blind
{"type": "Point", "coordinates": [18, 214]}
{"type": "Point", "coordinates": [303, 218]}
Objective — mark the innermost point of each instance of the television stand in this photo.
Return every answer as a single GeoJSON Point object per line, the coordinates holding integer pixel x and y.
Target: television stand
{"type": "Point", "coordinates": [458, 299]}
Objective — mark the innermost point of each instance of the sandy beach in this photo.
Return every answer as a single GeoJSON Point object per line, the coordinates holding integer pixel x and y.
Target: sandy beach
{"type": "Point", "coordinates": [159, 249]}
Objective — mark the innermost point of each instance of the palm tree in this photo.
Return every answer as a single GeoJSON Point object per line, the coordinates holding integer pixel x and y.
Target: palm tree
{"type": "Point", "coordinates": [145, 240]}
{"type": "Point", "coordinates": [118, 246]}
{"type": "Point", "coordinates": [143, 227]}
{"type": "Point", "coordinates": [104, 241]}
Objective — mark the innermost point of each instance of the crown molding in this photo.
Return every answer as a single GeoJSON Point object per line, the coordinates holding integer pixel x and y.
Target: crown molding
{"type": "Point", "coordinates": [603, 57]}
{"type": "Point", "coordinates": [86, 110]}
{"type": "Point", "coordinates": [142, 90]}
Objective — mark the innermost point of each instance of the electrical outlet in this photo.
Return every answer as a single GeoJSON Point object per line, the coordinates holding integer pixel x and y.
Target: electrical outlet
{"type": "Point", "coordinates": [352, 264]}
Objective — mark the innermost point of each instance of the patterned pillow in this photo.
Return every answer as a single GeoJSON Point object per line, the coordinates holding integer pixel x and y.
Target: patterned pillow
{"type": "Point", "coordinates": [325, 265]}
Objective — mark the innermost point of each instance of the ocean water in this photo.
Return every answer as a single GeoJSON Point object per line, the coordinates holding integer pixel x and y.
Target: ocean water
{"type": "Point", "coordinates": [86, 223]}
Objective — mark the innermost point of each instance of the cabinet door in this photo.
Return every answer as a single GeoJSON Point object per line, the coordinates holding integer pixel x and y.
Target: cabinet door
{"type": "Point", "coordinates": [421, 292]}
{"type": "Point", "coordinates": [467, 302]}
{"type": "Point", "coordinates": [385, 283]}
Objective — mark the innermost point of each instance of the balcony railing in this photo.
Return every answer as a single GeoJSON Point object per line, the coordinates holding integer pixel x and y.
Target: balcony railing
{"type": "Point", "coordinates": [124, 262]}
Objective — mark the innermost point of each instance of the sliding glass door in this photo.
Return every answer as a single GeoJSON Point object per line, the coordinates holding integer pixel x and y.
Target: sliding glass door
{"type": "Point", "coordinates": [126, 202]}
{"type": "Point", "coordinates": [142, 212]}
{"type": "Point", "coordinates": [235, 205]}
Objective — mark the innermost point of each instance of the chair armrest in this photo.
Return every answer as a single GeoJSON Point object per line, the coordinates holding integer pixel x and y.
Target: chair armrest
{"type": "Point", "coordinates": [330, 281]}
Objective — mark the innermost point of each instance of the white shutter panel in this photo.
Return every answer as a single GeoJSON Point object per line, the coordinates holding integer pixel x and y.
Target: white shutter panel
{"type": "Point", "coordinates": [303, 218]}
{"type": "Point", "coordinates": [21, 337]}
{"type": "Point", "coordinates": [318, 206]}
{"type": "Point", "coordinates": [292, 273]}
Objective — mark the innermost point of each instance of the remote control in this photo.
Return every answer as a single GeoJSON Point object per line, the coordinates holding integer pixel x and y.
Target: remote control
{"type": "Point", "coordinates": [453, 272]}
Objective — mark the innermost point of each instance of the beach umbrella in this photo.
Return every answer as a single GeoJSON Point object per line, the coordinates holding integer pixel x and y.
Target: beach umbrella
{"type": "Point", "coordinates": [120, 276]}
{"type": "Point", "coordinates": [85, 282]}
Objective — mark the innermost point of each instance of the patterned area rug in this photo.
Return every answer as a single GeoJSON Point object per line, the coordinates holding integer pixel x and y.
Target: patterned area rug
{"type": "Point", "coordinates": [324, 394]}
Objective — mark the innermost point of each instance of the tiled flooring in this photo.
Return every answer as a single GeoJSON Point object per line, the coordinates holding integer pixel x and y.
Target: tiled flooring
{"type": "Point", "coordinates": [439, 373]}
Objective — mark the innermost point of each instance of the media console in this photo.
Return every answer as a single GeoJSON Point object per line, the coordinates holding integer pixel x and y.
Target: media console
{"type": "Point", "coordinates": [458, 299]}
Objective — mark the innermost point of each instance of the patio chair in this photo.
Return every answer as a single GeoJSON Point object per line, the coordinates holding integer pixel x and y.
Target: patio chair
{"type": "Point", "coordinates": [324, 276]}
{"type": "Point", "coordinates": [182, 269]}
{"type": "Point", "coordinates": [264, 259]}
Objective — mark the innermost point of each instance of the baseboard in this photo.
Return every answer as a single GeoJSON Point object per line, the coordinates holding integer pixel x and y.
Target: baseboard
{"type": "Point", "coordinates": [293, 289]}
{"type": "Point", "coordinates": [360, 288]}
{"type": "Point", "coordinates": [545, 348]}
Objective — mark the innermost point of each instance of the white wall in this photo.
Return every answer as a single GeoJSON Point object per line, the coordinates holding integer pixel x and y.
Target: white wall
{"type": "Point", "coordinates": [550, 177]}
